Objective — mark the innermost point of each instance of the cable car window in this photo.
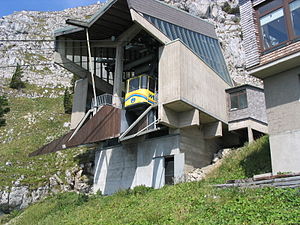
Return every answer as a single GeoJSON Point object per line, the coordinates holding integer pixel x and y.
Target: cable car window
{"type": "Point", "coordinates": [134, 84]}
{"type": "Point", "coordinates": [144, 82]}
{"type": "Point", "coordinates": [151, 85]}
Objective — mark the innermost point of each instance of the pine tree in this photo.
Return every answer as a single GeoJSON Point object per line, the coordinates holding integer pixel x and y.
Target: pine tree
{"type": "Point", "coordinates": [16, 81]}
{"type": "Point", "coordinates": [3, 109]}
{"type": "Point", "coordinates": [68, 102]}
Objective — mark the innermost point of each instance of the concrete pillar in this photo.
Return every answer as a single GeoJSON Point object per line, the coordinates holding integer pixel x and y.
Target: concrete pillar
{"type": "Point", "coordinates": [117, 90]}
{"type": "Point", "coordinates": [250, 134]}
{"type": "Point", "coordinates": [79, 102]}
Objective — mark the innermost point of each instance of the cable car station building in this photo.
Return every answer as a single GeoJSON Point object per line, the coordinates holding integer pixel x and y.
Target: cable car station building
{"type": "Point", "coordinates": [151, 94]}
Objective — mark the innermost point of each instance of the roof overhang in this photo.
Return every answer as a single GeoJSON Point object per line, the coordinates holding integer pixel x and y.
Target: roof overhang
{"type": "Point", "coordinates": [116, 16]}
{"type": "Point", "coordinates": [276, 67]}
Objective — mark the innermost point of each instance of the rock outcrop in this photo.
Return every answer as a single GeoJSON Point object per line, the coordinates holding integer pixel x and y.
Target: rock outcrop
{"type": "Point", "coordinates": [30, 25]}
{"type": "Point", "coordinates": [26, 38]}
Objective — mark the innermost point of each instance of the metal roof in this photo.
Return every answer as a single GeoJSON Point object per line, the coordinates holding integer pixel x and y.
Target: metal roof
{"type": "Point", "coordinates": [207, 48]}
{"type": "Point", "coordinates": [115, 17]}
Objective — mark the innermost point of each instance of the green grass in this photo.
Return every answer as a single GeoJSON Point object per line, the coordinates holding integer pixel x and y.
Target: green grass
{"type": "Point", "coordinates": [186, 203]}
{"type": "Point", "coordinates": [31, 123]}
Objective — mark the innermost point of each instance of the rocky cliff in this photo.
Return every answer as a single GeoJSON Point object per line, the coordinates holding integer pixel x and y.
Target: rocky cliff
{"type": "Point", "coordinates": [37, 55]}
{"type": "Point", "coordinates": [17, 32]}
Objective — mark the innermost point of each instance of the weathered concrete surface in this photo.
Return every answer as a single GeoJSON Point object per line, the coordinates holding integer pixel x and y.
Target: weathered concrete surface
{"type": "Point", "coordinates": [285, 152]}
{"type": "Point", "coordinates": [79, 102]}
{"type": "Point", "coordinates": [193, 85]}
{"type": "Point", "coordinates": [130, 165]}
{"type": "Point", "coordinates": [283, 109]}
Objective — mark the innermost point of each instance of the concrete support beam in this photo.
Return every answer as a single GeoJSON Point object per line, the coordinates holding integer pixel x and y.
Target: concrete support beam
{"type": "Point", "coordinates": [79, 102]}
{"type": "Point", "coordinates": [137, 18]}
{"type": "Point", "coordinates": [117, 89]}
{"type": "Point", "coordinates": [250, 134]}
{"type": "Point", "coordinates": [212, 130]}
{"type": "Point", "coordinates": [175, 119]}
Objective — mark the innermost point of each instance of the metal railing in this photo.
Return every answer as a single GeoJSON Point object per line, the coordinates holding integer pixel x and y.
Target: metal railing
{"type": "Point", "coordinates": [106, 99]}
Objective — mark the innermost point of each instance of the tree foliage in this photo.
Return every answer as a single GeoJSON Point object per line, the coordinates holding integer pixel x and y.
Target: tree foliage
{"type": "Point", "coordinates": [16, 82]}
{"type": "Point", "coordinates": [68, 99]}
{"type": "Point", "coordinates": [3, 109]}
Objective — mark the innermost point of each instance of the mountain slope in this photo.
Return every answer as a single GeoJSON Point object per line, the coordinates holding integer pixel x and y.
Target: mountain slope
{"type": "Point", "coordinates": [187, 203]}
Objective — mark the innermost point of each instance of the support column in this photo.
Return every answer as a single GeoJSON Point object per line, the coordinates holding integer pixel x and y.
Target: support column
{"type": "Point", "coordinates": [79, 102]}
{"type": "Point", "coordinates": [250, 134]}
{"type": "Point", "coordinates": [117, 90]}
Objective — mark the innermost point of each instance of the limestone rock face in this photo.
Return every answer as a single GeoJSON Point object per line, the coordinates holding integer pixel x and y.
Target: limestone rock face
{"type": "Point", "coordinates": [27, 38]}
{"type": "Point", "coordinates": [41, 70]}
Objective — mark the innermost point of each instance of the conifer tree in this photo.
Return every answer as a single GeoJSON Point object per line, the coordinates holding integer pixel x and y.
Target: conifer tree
{"type": "Point", "coordinates": [67, 101]}
{"type": "Point", "coordinates": [3, 109]}
{"type": "Point", "coordinates": [16, 81]}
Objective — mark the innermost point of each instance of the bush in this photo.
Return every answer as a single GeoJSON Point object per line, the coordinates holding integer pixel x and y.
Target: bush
{"type": "Point", "coordinates": [16, 82]}
{"type": "Point", "coordinates": [68, 99]}
{"type": "Point", "coordinates": [3, 109]}
{"type": "Point", "coordinates": [227, 8]}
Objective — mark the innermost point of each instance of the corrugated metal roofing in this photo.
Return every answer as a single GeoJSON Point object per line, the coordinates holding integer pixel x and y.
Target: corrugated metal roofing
{"type": "Point", "coordinates": [207, 48]}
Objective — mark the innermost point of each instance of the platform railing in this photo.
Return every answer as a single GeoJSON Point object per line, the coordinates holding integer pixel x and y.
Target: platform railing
{"type": "Point", "coordinates": [106, 99]}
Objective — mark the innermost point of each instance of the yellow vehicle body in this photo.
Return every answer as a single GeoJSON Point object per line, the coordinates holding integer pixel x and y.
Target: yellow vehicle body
{"type": "Point", "coordinates": [140, 95]}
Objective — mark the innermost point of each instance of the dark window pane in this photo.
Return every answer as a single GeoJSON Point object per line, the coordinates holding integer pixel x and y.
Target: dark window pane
{"type": "Point", "coordinates": [243, 101]}
{"type": "Point", "coordinates": [273, 28]}
{"type": "Point", "coordinates": [234, 102]}
{"type": "Point", "coordinates": [144, 82]}
{"type": "Point", "coordinates": [151, 85]}
{"type": "Point", "coordinates": [169, 170]}
{"type": "Point", "coordinates": [269, 6]}
{"type": "Point", "coordinates": [134, 84]}
{"type": "Point", "coordinates": [295, 14]}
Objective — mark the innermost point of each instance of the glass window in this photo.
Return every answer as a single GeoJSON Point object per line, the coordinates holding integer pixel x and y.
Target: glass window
{"type": "Point", "coordinates": [151, 84]}
{"type": "Point", "coordinates": [273, 28]}
{"type": "Point", "coordinates": [134, 84]}
{"type": "Point", "coordinates": [144, 82]}
{"type": "Point", "coordinates": [269, 6]}
{"type": "Point", "coordinates": [238, 100]}
{"type": "Point", "coordinates": [295, 14]}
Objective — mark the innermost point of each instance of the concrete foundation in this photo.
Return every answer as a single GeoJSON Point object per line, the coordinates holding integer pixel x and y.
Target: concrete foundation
{"type": "Point", "coordinates": [130, 165]}
{"type": "Point", "coordinates": [285, 152]}
{"type": "Point", "coordinates": [142, 162]}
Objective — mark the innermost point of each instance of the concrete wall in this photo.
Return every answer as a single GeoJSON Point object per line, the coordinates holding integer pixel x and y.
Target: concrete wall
{"type": "Point", "coordinates": [256, 106]}
{"type": "Point", "coordinates": [198, 151]}
{"type": "Point", "coordinates": [184, 77]}
{"type": "Point", "coordinates": [140, 163]}
{"type": "Point", "coordinates": [282, 93]}
{"type": "Point", "coordinates": [79, 102]}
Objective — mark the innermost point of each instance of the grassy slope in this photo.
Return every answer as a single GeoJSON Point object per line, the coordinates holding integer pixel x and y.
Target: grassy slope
{"type": "Point", "coordinates": [29, 124]}
{"type": "Point", "coordinates": [187, 203]}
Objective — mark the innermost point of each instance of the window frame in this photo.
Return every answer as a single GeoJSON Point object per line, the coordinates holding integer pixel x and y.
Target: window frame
{"type": "Point", "coordinates": [238, 93]}
{"type": "Point", "coordinates": [288, 23]}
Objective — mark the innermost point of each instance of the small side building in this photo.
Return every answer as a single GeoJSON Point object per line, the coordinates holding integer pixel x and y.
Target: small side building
{"type": "Point", "coordinates": [247, 112]}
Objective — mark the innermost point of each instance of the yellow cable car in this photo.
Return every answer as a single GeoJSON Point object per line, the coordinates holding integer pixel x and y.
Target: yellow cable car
{"type": "Point", "coordinates": [140, 91]}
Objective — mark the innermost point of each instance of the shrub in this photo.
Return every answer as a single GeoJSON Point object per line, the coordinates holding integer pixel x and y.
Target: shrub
{"type": "Point", "coordinates": [68, 99]}
{"type": "Point", "coordinates": [227, 8]}
{"type": "Point", "coordinates": [3, 109]}
{"type": "Point", "coordinates": [16, 82]}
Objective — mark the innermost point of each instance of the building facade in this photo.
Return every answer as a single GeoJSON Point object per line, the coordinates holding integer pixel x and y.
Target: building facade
{"type": "Point", "coordinates": [167, 67]}
{"type": "Point", "coordinates": [271, 31]}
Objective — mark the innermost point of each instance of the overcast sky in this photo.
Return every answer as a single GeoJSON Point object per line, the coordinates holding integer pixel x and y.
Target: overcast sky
{"type": "Point", "coordinates": [9, 6]}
